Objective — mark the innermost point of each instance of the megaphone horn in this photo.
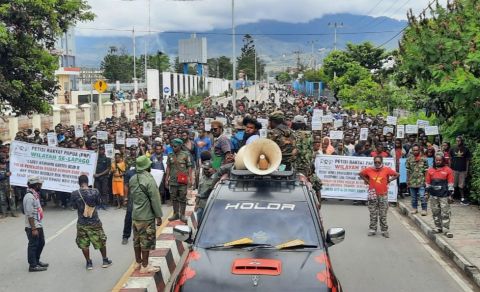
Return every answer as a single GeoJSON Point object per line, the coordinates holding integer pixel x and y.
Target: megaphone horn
{"type": "Point", "coordinates": [261, 157]}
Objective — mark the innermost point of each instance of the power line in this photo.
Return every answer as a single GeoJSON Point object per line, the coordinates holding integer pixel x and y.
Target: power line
{"type": "Point", "coordinates": [391, 15]}
{"type": "Point", "coordinates": [367, 14]}
{"type": "Point", "coordinates": [229, 34]}
{"type": "Point", "coordinates": [392, 38]}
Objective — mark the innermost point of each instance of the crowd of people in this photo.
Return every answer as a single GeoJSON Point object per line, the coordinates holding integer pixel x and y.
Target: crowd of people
{"type": "Point", "coordinates": [194, 146]}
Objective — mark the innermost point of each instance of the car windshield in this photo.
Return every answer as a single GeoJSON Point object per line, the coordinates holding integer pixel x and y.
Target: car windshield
{"type": "Point", "coordinates": [269, 223]}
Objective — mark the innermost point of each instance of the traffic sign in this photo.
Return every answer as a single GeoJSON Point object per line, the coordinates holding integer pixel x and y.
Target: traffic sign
{"type": "Point", "coordinates": [100, 86]}
{"type": "Point", "coordinates": [166, 90]}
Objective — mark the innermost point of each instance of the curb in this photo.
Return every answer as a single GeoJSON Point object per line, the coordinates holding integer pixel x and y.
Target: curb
{"type": "Point", "coordinates": [167, 255]}
{"type": "Point", "coordinates": [470, 270]}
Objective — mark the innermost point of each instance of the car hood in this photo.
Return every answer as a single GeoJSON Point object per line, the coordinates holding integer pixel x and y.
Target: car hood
{"type": "Point", "coordinates": [301, 270]}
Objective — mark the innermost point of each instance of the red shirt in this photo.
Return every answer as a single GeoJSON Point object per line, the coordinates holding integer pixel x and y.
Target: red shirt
{"type": "Point", "coordinates": [441, 173]}
{"type": "Point", "coordinates": [383, 154]}
{"type": "Point", "coordinates": [378, 179]}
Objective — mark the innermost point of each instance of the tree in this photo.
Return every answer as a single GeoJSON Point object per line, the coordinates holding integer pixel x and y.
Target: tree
{"type": "Point", "coordinates": [246, 61]}
{"type": "Point", "coordinates": [28, 31]}
{"type": "Point", "coordinates": [220, 67]}
{"type": "Point", "coordinates": [367, 55]}
{"type": "Point", "coordinates": [117, 65]}
{"type": "Point", "coordinates": [283, 77]}
{"type": "Point", "coordinates": [439, 58]}
{"type": "Point", "coordinates": [336, 64]}
{"type": "Point", "coordinates": [314, 75]}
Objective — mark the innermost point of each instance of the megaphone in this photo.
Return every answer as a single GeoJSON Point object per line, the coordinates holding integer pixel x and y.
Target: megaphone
{"type": "Point", "coordinates": [261, 157]}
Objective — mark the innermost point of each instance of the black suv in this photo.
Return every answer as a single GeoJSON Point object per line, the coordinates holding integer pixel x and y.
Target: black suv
{"type": "Point", "coordinates": [259, 233]}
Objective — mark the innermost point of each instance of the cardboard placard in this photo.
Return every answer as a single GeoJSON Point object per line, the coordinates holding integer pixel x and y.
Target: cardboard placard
{"type": "Point", "coordinates": [317, 125]}
{"type": "Point", "coordinates": [422, 124]}
{"type": "Point", "coordinates": [120, 137]}
{"type": "Point", "coordinates": [431, 130]}
{"type": "Point", "coordinates": [52, 139]}
{"type": "Point", "coordinates": [317, 112]}
{"type": "Point", "coordinates": [401, 131]}
{"type": "Point", "coordinates": [337, 124]}
{"type": "Point", "coordinates": [158, 118]}
{"type": "Point", "coordinates": [131, 142]}
{"type": "Point", "coordinates": [79, 131]}
{"type": "Point", "coordinates": [102, 135]}
{"type": "Point", "coordinates": [388, 130]}
{"type": "Point", "coordinates": [363, 134]}
{"type": "Point", "coordinates": [263, 133]}
{"type": "Point", "coordinates": [147, 129]}
{"type": "Point", "coordinates": [336, 135]}
{"type": "Point", "coordinates": [391, 120]}
{"type": "Point", "coordinates": [327, 119]}
{"type": "Point", "coordinates": [109, 151]}
{"type": "Point", "coordinates": [411, 129]}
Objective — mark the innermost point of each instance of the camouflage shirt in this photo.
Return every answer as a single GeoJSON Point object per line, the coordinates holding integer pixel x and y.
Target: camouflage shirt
{"type": "Point", "coordinates": [179, 162]}
{"type": "Point", "coordinates": [285, 139]}
{"type": "Point", "coordinates": [416, 170]}
{"type": "Point", "coordinates": [304, 157]}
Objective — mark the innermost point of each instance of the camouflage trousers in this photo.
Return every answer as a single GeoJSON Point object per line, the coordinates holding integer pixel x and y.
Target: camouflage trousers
{"type": "Point", "coordinates": [144, 234]}
{"type": "Point", "coordinates": [87, 234]}
{"type": "Point", "coordinates": [7, 201]}
{"type": "Point", "coordinates": [441, 212]}
{"type": "Point", "coordinates": [378, 207]}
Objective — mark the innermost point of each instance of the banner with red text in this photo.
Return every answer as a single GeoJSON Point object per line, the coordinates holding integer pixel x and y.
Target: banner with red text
{"type": "Point", "coordinates": [59, 168]}
{"type": "Point", "coordinates": [339, 175]}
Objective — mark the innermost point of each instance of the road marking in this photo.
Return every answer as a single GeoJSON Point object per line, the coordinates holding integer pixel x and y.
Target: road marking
{"type": "Point", "coordinates": [453, 273]}
{"type": "Point", "coordinates": [62, 230]}
{"type": "Point", "coordinates": [127, 274]}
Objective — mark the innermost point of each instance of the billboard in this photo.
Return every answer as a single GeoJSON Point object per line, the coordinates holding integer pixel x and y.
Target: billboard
{"type": "Point", "coordinates": [193, 50]}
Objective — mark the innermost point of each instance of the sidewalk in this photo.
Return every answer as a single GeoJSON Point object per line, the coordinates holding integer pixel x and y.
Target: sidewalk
{"type": "Point", "coordinates": [464, 247]}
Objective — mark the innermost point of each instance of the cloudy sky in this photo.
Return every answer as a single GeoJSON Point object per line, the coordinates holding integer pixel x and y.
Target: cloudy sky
{"type": "Point", "coordinates": [113, 16]}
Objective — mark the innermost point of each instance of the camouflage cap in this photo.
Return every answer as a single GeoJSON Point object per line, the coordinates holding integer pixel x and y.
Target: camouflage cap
{"type": "Point", "coordinates": [277, 115]}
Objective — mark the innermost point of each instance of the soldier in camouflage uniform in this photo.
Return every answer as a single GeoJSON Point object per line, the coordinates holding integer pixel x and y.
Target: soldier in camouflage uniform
{"type": "Point", "coordinates": [178, 162]}
{"type": "Point", "coordinates": [284, 137]}
{"type": "Point", "coordinates": [304, 145]}
{"type": "Point", "coordinates": [417, 166]}
{"type": "Point", "coordinates": [314, 179]}
{"type": "Point", "coordinates": [6, 196]}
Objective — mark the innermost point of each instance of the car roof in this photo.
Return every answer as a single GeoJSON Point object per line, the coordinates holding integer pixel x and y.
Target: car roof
{"type": "Point", "coordinates": [276, 187]}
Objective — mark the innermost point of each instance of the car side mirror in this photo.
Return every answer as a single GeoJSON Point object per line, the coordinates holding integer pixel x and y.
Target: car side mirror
{"type": "Point", "coordinates": [335, 236]}
{"type": "Point", "coordinates": [182, 232]}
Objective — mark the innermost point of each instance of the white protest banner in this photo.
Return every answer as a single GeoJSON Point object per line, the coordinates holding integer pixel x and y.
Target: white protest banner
{"type": "Point", "coordinates": [157, 176]}
{"type": "Point", "coordinates": [327, 119]}
{"type": "Point", "coordinates": [158, 118]}
{"type": "Point", "coordinates": [264, 123]}
{"type": "Point", "coordinates": [109, 151]}
{"type": "Point", "coordinates": [363, 134]}
{"type": "Point", "coordinates": [422, 123]}
{"type": "Point", "coordinates": [208, 124]}
{"type": "Point", "coordinates": [388, 130]}
{"type": "Point", "coordinates": [411, 129]}
{"type": "Point", "coordinates": [120, 137]}
{"type": "Point", "coordinates": [228, 132]}
{"type": "Point", "coordinates": [316, 125]}
{"type": "Point", "coordinates": [131, 142]}
{"type": "Point", "coordinates": [336, 135]}
{"type": "Point", "coordinates": [401, 131]}
{"type": "Point", "coordinates": [317, 112]}
{"type": "Point", "coordinates": [79, 131]}
{"type": "Point", "coordinates": [339, 175]}
{"type": "Point", "coordinates": [59, 168]}
{"type": "Point", "coordinates": [337, 124]}
{"type": "Point", "coordinates": [52, 139]}
{"type": "Point", "coordinates": [147, 129]}
{"type": "Point", "coordinates": [431, 130]}
{"type": "Point", "coordinates": [102, 135]}
{"type": "Point", "coordinates": [391, 120]}
{"type": "Point", "coordinates": [263, 133]}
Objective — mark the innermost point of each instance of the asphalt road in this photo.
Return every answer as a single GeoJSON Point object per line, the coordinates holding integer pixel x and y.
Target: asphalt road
{"type": "Point", "coordinates": [67, 265]}
{"type": "Point", "coordinates": [404, 262]}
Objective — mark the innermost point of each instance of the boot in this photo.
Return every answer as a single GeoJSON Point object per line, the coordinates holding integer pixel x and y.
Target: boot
{"type": "Point", "coordinates": [182, 218]}
{"type": "Point", "coordinates": [175, 212]}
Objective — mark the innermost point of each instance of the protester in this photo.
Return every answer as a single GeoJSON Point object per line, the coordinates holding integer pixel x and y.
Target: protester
{"type": "Point", "coordinates": [417, 166]}
{"type": "Point", "coordinates": [101, 176]}
{"type": "Point", "coordinates": [34, 224]}
{"type": "Point", "coordinates": [5, 192]}
{"type": "Point", "coordinates": [221, 151]}
{"type": "Point", "coordinates": [460, 163]}
{"type": "Point", "coordinates": [178, 177]}
{"type": "Point", "coordinates": [377, 178]}
{"type": "Point", "coordinates": [252, 128]}
{"type": "Point", "coordinates": [118, 170]}
{"type": "Point", "coordinates": [146, 207]}
{"type": "Point", "coordinates": [439, 182]}
{"type": "Point", "coordinates": [89, 227]}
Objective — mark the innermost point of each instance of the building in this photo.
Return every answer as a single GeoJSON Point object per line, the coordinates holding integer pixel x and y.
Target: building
{"type": "Point", "coordinates": [67, 73]}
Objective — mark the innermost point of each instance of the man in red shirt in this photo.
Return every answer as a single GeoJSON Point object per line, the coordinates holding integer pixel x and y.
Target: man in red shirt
{"type": "Point", "coordinates": [377, 178]}
{"type": "Point", "coordinates": [379, 151]}
{"type": "Point", "coordinates": [439, 181]}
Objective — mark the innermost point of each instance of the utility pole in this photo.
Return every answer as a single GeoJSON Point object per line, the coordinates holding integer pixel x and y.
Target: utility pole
{"type": "Point", "coordinates": [234, 60]}
{"type": "Point", "coordinates": [312, 43]}
{"type": "Point", "coordinates": [335, 25]}
{"type": "Point", "coordinates": [298, 59]}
